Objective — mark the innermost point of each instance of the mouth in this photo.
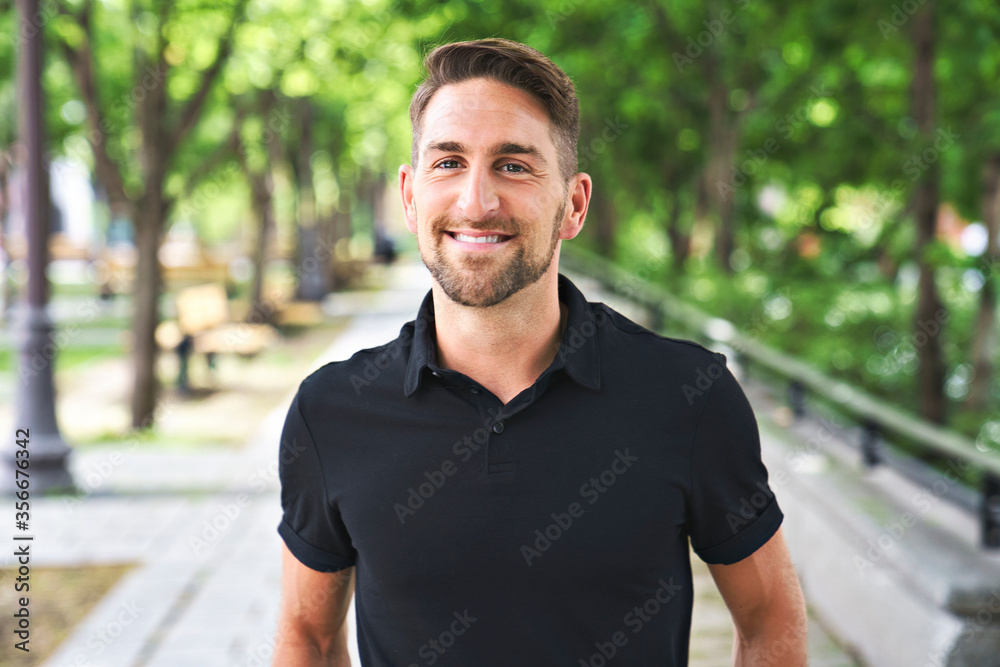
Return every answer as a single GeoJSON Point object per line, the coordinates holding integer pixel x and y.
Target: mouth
{"type": "Point", "coordinates": [479, 238]}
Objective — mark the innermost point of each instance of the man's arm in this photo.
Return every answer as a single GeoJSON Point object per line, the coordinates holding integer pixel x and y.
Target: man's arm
{"type": "Point", "coordinates": [311, 628]}
{"type": "Point", "coordinates": [763, 595]}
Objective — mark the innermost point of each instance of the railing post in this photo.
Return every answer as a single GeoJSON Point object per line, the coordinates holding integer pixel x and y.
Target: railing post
{"type": "Point", "coordinates": [797, 398]}
{"type": "Point", "coordinates": [656, 316]}
{"type": "Point", "coordinates": [989, 512]}
{"type": "Point", "coordinates": [870, 443]}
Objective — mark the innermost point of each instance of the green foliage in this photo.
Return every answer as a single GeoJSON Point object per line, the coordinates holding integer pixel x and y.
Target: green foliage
{"type": "Point", "coordinates": [813, 131]}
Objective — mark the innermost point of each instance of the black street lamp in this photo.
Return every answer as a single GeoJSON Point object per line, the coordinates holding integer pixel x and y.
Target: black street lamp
{"type": "Point", "coordinates": [36, 426]}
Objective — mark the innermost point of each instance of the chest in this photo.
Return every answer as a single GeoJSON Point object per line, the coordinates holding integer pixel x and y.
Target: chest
{"type": "Point", "coordinates": [559, 493]}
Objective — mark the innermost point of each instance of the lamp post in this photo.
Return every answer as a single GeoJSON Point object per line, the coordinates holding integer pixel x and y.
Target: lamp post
{"type": "Point", "coordinates": [36, 425]}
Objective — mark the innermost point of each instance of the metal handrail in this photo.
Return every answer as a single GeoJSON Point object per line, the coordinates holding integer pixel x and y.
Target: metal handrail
{"type": "Point", "coordinates": [877, 415]}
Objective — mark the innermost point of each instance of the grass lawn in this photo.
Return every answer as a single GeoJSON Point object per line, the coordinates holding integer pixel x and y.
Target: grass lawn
{"type": "Point", "coordinates": [57, 599]}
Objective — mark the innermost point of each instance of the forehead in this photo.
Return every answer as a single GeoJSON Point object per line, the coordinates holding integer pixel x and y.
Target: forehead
{"type": "Point", "coordinates": [485, 111]}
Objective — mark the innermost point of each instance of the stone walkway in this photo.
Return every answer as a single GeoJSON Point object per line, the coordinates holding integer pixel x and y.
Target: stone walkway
{"type": "Point", "coordinates": [202, 528]}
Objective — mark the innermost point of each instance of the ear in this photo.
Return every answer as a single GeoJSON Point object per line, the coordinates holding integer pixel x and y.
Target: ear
{"type": "Point", "coordinates": [576, 209]}
{"type": "Point", "coordinates": [406, 191]}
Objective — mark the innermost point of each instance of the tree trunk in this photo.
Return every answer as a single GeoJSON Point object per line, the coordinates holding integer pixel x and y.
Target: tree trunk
{"type": "Point", "coordinates": [149, 216]}
{"type": "Point", "coordinates": [338, 226]}
{"type": "Point", "coordinates": [984, 339]}
{"type": "Point", "coordinates": [930, 313]}
{"type": "Point", "coordinates": [303, 167]}
{"type": "Point", "coordinates": [680, 241]}
{"type": "Point", "coordinates": [145, 315]}
{"type": "Point", "coordinates": [6, 285]}
{"type": "Point", "coordinates": [307, 224]}
{"type": "Point", "coordinates": [261, 192]}
{"type": "Point", "coordinates": [722, 148]}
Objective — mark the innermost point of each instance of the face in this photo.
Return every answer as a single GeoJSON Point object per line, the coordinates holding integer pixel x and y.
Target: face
{"type": "Point", "coordinates": [486, 199]}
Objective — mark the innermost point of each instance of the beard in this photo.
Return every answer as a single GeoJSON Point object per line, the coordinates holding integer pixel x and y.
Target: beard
{"type": "Point", "coordinates": [481, 281]}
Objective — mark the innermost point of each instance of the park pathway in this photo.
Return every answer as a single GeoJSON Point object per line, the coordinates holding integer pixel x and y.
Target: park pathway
{"type": "Point", "coordinates": [202, 528]}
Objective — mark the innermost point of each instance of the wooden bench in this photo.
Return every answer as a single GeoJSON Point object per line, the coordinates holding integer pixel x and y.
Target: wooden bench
{"type": "Point", "coordinates": [203, 325]}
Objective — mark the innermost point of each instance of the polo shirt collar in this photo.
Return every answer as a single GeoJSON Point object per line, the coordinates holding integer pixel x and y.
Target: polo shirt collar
{"type": "Point", "coordinates": [578, 351]}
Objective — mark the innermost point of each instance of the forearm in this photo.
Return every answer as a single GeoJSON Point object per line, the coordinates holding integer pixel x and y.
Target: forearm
{"type": "Point", "coordinates": [778, 642]}
{"type": "Point", "coordinates": [295, 648]}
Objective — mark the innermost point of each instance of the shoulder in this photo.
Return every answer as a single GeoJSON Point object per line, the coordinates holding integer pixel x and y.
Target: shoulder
{"type": "Point", "coordinates": [343, 380]}
{"type": "Point", "coordinates": [672, 371]}
{"type": "Point", "coordinates": [628, 337]}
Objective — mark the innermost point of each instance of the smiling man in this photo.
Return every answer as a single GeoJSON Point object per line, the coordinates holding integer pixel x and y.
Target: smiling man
{"type": "Point", "coordinates": [521, 482]}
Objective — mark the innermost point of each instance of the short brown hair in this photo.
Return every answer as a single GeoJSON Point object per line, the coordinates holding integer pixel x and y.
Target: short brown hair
{"type": "Point", "coordinates": [511, 63]}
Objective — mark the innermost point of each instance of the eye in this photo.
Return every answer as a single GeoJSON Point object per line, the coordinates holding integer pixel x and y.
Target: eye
{"type": "Point", "coordinates": [448, 164]}
{"type": "Point", "coordinates": [513, 168]}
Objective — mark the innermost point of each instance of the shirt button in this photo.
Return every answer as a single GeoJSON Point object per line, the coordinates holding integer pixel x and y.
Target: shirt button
{"type": "Point", "coordinates": [498, 427]}
{"type": "Point", "coordinates": [435, 374]}
{"type": "Point", "coordinates": [474, 390]}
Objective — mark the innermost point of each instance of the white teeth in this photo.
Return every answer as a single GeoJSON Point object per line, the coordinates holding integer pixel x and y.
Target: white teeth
{"type": "Point", "coordinates": [495, 238]}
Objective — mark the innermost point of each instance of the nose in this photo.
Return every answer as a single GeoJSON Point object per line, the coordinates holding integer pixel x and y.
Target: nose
{"type": "Point", "coordinates": [478, 197]}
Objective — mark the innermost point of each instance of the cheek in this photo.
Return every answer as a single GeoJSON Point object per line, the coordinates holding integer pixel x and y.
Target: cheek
{"type": "Point", "coordinates": [431, 203]}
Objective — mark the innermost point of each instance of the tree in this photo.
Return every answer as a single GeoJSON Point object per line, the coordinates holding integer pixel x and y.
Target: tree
{"type": "Point", "coordinates": [984, 340]}
{"type": "Point", "coordinates": [930, 356]}
{"type": "Point", "coordinates": [159, 38]}
{"type": "Point", "coordinates": [258, 151]}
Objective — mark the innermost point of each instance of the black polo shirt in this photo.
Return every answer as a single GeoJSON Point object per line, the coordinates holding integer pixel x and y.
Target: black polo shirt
{"type": "Point", "coordinates": [552, 530]}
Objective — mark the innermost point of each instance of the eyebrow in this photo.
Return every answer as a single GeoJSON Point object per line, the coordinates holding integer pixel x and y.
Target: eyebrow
{"type": "Point", "coordinates": [502, 148]}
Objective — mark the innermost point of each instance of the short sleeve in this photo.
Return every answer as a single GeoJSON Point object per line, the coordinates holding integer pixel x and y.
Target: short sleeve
{"type": "Point", "coordinates": [732, 510]}
{"type": "Point", "coordinates": [311, 525]}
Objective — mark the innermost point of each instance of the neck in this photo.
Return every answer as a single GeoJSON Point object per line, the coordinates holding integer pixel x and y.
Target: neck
{"type": "Point", "coordinates": [504, 347]}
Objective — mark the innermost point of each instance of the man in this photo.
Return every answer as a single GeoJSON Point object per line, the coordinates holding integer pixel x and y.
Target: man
{"type": "Point", "coordinates": [516, 478]}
